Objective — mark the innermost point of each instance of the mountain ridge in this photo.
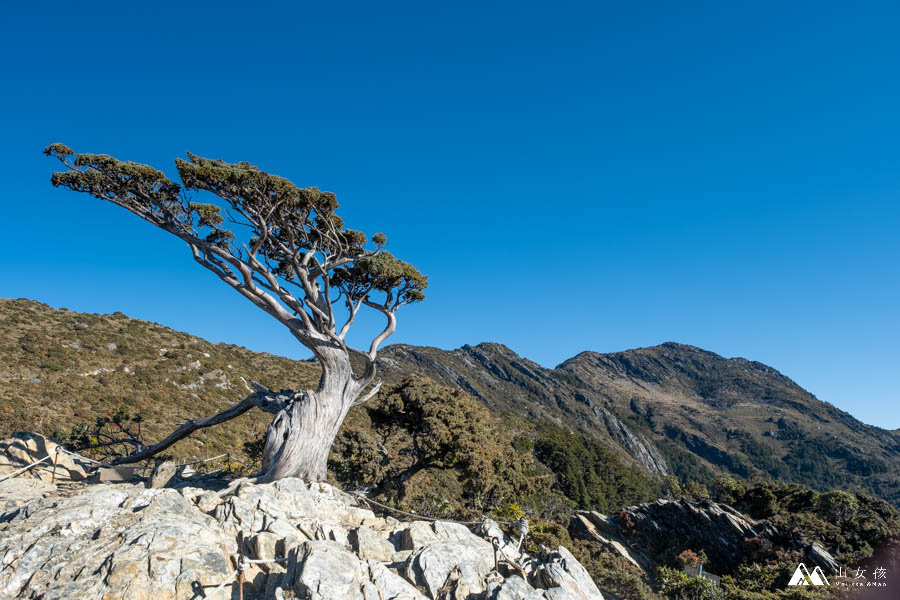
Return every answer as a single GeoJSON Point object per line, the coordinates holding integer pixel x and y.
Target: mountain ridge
{"type": "Point", "coordinates": [677, 409]}
{"type": "Point", "coordinates": [672, 409]}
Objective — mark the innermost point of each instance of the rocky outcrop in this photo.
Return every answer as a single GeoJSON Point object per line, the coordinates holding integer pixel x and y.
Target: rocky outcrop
{"type": "Point", "coordinates": [24, 448]}
{"type": "Point", "coordinates": [600, 529]}
{"type": "Point", "coordinates": [655, 533]}
{"type": "Point", "coordinates": [637, 445]}
{"type": "Point", "coordinates": [111, 542]}
{"type": "Point", "coordinates": [817, 555]}
{"type": "Point", "coordinates": [18, 491]}
{"type": "Point", "coordinates": [289, 538]}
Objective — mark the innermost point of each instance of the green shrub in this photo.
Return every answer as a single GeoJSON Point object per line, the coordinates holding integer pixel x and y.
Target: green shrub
{"type": "Point", "coordinates": [677, 585]}
{"type": "Point", "coordinates": [589, 473]}
{"type": "Point", "coordinates": [727, 490]}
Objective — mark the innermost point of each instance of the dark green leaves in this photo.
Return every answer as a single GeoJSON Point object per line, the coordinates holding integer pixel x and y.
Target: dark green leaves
{"type": "Point", "coordinates": [140, 188]}
{"type": "Point", "coordinates": [240, 181]}
{"type": "Point", "coordinates": [57, 149]}
{"type": "Point", "coordinates": [385, 273]}
{"type": "Point", "coordinates": [208, 215]}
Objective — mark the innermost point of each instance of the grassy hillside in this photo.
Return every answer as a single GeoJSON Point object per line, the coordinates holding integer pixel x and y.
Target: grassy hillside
{"type": "Point", "coordinates": [59, 369]}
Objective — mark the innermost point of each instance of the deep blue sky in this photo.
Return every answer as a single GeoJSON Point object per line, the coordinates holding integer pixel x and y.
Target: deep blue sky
{"type": "Point", "coordinates": [572, 176]}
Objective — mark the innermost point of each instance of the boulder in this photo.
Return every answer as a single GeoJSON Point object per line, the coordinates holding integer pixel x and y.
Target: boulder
{"type": "Point", "coordinates": [389, 585]}
{"type": "Point", "coordinates": [490, 530]}
{"type": "Point", "coordinates": [263, 546]}
{"type": "Point", "coordinates": [321, 570]}
{"type": "Point", "coordinates": [332, 532]}
{"type": "Point", "coordinates": [25, 448]}
{"type": "Point", "coordinates": [513, 588]}
{"type": "Point", "coordinates": [563, 578]}
{"type": "Point", "coordinates": [469, 560]}
{"type": "Point", "coordinates": [163, 475]}
{"type": "Point", "coordinates": [367, 543]}
{"type": "Point", "coordinates": [417, 534]}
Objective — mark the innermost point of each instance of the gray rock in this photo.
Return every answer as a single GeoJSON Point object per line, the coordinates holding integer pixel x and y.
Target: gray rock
{"type": "Point", "coordinates": [369, 544]}
{"type": "Point", "coordinates": [401, 556]}
{"type": "Point", "coordinates": [513, 588]}
{"type": "Point", "coordinates": [24, 448]}
{"type": "Point", "coordinates": [127, 541]}
{"type": "Point", "coordinates": [389, 585]}
{"type": "Point", "coordinates": [19, 490]}
{"type": "Point", "coordinates": [417, 534]}
{"type": "Point", "coordinates": [489, 530]}
{"type": "Point", "coordinates": [322, 570]}
{"type": "Point", "coordinates": [288, 535]}
{"type": "Point", "coordinates": [264, 545]}
{"type": "Point", "coordinates": [332, 533]}
{"type": "Point", "coordinates": [596, 527]}
{"type": "Point", "coordinates": [650, 532]}
{"type": "Point", "coordinates": [817, 555]}
{"type": "Point", "coordinates": [563, 578]}
{"type": "Point", "coordinates": [445, 530]}
{"type": "Point", "coordinates": [163, 475]}
{"type": "Point", "coordinates": [469, 560]}
{"type": "Point", "coordinates": [134, 543]}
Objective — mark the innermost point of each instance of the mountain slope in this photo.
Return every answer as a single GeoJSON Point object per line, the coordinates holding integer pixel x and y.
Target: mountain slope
{"type": "Point", "coordinates": [674, 409]}
{"type": "Point", "coordinates": [60, 369]}
{"type": "Point", "coordinates": [678, 409]}
{"type": "Point", "coordinates": [509, 383]}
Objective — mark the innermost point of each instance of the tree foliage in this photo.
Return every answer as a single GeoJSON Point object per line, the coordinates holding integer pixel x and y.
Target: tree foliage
{"type": "Point", "coordinates": [419, 440]}
{"type": "Point", "coordinates": [851, 524]}
{"type": "Point", "coordinates": [281, 246]}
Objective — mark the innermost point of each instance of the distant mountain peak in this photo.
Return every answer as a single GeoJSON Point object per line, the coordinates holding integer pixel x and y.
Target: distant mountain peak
{"type": "Point", "coordinates": [490, 347]}
{"type": "Point", "coordinates": [681, 409]}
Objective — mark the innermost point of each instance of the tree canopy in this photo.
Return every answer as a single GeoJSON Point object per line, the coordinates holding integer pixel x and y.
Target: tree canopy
{"type": "Point", "coordinates": [281, 246]}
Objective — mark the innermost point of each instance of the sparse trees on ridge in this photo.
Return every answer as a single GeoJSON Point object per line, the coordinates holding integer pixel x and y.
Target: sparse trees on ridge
{"type": "Point", "coordinates": [286, 250]}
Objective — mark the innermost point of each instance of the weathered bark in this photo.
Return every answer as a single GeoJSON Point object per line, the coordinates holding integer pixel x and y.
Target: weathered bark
{"type": "Point", "coordinates": [300, 437]}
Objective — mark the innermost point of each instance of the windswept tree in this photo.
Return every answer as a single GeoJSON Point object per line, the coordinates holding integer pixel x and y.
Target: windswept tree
{"type": "Point", "coordinates": [284, 249]}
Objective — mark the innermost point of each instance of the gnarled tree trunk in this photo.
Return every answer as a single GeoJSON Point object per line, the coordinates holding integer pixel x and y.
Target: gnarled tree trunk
{"type": "Point", "coordinates": [305, 426]}
{"type": "Point", "coordinates": [301, 435]}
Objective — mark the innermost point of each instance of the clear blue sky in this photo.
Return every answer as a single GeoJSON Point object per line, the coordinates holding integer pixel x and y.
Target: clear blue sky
{"type": "Point", "coordinates": [571, 175]}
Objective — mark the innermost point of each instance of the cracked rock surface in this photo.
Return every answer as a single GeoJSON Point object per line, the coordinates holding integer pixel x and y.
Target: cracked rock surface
{"type": "Point", "coordinates": [125, 541]}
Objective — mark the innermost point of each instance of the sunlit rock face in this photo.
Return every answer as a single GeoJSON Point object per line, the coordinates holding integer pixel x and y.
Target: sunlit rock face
{"type": "Point", "coordinates": [133, 542]}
